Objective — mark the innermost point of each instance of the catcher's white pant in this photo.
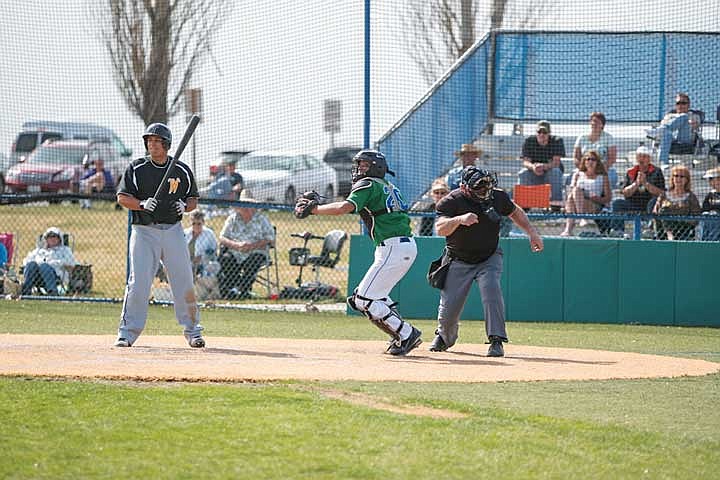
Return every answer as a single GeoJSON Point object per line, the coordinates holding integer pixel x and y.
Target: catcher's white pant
{"type": "Point", "coordinates": [393, 259]}
{"type": "Point", "coordinates": [149, 244]}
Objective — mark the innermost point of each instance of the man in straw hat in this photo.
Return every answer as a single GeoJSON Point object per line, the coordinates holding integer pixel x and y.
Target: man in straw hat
{"type": "Point", "coordinates": [244, 241]}
{"type": "Point", "coordinates": [469, 154]}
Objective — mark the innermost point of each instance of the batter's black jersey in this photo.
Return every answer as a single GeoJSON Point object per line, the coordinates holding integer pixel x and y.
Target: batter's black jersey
{"type": "Point", "coordinates": [474, 243]}
{"type": "Point", "coordinates": [141, 180]}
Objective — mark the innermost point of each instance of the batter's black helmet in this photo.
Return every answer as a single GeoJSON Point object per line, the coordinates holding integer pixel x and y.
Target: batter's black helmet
{"type": "Point", "coordinates": [161, 130]}
{"type": "Point", "coordinates": [378, 165]}
{"type": "Point", "coordinates": [479, 183]}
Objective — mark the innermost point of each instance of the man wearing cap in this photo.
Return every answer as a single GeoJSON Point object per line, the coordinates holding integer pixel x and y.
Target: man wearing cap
{"type": "Point", "coordinates": [45, 265]}
{"type": "Point", "coordinates": [643, 184]}
{"type": "Point", "coordinates": [678, 130]}
{"type": "Point", "coordinates": [710, 229]}
{"type": "Point", "coordinates": [468, 154]}
{"type": "Point", "coordinates": [541, 156]}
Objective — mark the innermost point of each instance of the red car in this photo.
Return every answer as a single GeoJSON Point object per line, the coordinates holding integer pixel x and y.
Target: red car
{"type": "Point", "coordinates": [57, 166]}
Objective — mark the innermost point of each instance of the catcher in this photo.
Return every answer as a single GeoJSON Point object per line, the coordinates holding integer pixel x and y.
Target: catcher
{"type": "Point", "coordinates": [383, 210]}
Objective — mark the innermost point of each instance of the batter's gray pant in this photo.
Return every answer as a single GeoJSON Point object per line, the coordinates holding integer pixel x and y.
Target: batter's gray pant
{"type": "Point", "coordinates": [457, 287]}
{"type": "Point", "coordinates": [148, 244]}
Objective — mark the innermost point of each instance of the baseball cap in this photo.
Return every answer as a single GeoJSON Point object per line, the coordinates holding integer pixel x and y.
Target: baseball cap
{"type": "Point", "coordinates": [712, 173]}
{"type": "Point", "coordinates": [543, 125]}
{"type": "Point", "coordinates": [643, 150]}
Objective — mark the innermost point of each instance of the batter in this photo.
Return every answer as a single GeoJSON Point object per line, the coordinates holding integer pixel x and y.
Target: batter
{"type": "Point", "coordinates": [156, 235]}
{"type": "Point", "coordinates": [383, 210]}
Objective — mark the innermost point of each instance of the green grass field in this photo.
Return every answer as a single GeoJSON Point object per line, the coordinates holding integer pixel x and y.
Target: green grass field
{"type": "Point", "coordinates": [651, 428]}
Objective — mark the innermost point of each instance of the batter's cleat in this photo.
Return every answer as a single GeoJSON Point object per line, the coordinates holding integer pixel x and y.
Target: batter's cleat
{"type": "Point", "coordinates": [122, 342]}
{"type": "Point", "coordinates": [438, 344]}
{"type": "Point", "coordinates": [406, 345]}
{"type": "Point", "coordinates": [496, 347]}
{"type": "Point", "coordinates": [197, 342]}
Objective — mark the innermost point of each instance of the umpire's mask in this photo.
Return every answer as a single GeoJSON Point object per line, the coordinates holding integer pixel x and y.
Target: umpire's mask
{"type": "Point", "coordinates": [478, 183]}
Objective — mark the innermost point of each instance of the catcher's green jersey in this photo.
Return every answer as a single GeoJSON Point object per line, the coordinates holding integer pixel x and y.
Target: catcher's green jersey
{"type": "Point", "coordinates": [382, 208]}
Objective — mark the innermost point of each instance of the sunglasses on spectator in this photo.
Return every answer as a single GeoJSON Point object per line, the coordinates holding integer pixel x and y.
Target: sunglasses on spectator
{"type": "Point", "coordinates": [197, 223]}
{"type": "Point", "coordinates": [682, 102]}
{"type": "Point", "coordinates": [440, 191]}
{"type": "Point", "coordinates": [591, 159]}
{"type": "Point", "coordinates": [542, 132]}
{"type": "Point", "coordinates": [679, 176]}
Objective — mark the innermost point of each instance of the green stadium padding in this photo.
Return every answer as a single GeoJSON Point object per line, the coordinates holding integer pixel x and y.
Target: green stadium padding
{"type": "Point", "coordinates": [593, 281]}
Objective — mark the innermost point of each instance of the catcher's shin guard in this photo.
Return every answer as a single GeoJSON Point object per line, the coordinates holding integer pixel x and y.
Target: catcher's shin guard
{"type": "Point", "coordinates": [379, 319]}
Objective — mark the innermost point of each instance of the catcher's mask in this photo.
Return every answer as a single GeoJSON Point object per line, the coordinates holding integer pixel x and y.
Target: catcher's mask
{"type": "Point", "coordinates": [478, 183]}
{"type": "Point", "coordinates": [378, 165]}
{"type": "Point", "coordinates": [161, 130]}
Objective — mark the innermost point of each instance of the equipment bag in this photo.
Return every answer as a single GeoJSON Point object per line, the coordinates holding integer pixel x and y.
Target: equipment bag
{"type": "Point", "coordinates": [438, 271]}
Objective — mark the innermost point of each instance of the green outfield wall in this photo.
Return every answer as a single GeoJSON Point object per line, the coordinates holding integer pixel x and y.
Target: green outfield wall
{"type": "Point", "coordinates": [592, 281]}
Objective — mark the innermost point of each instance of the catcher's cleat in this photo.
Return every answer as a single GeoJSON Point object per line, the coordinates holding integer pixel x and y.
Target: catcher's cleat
{"type": "Point", "coordinates": [122, 342]}
{"type": "Point", "coordinates": [496, 347]}
{"type": "Point", "coordinates": [197, 342]}
{"type": "Point", "coordinates": [405, 346]}
{"type": "Point", "coordinates": [438, 344]}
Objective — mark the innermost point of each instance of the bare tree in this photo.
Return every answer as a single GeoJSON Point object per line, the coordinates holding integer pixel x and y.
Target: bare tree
{"type": "Point", "coordinates": [438, 32]}
{"type": "Point", "coordinates": [155, 46]}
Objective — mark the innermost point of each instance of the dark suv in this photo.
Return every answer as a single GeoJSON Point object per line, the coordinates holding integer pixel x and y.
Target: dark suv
{"type": "Point", "coordinates": [57, 166]}
{"type": "Point", "coordinates": [340, 158]}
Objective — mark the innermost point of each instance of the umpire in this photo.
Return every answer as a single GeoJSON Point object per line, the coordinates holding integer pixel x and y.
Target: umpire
{"type": "Point", "coordinates": [470, 219]}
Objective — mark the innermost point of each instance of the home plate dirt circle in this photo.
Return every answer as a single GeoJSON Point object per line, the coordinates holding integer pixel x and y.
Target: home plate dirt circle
{"type": "Point", "coordinates": [237, 359]}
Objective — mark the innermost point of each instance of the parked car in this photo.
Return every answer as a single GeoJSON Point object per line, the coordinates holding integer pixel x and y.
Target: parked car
{"type": "Point", "coordinates": [4, 166]}
{"type": "Point", "coordinates": [34, 133]}
{"type": "Point", "coordinates": [281, 177]}
{"type": "Point", "coordinates": [56, 166]}
{"type": "Point", "coordinates": [340, 158]}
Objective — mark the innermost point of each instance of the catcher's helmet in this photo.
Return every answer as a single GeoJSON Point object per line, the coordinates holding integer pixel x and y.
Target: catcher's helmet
{"type": "Point", "coordinates": [378, 165]}
{"type": "Point", "coordinates": [161, 130]}
{"type": "Point", "coordinates": [478, 183]}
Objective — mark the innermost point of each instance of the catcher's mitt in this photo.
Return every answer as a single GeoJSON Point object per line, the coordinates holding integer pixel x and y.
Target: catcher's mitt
{"type": "Point", "coordinates": [305, 204]}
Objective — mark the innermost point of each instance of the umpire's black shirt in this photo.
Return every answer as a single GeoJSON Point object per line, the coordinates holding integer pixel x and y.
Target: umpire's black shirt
{"type": "Point", "coordinates": [141, 180]}
{"type": "Point", "coordinates": [474, 243]}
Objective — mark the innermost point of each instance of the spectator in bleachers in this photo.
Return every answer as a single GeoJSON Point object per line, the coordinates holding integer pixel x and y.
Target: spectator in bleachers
{"type": "Point", "coordinates": [710, 229]}
{"type": "Point", "coordinates": [437, 191]}
{"type": "Point", "coordinates": [202, 245]}
{"type": "Point", "coordinates": [678, 130]}
{"type": "Point", "coordinates": [469, 155]}
{"type": "Point", "coordinates": [46, 265]}
{"type": "Point", "coordinates": [541, 157]}
{"type": "Point", "coordinates": [244, 241]}
{"type": "Point", "coordinates": [601, 142]}
{"type": "Point", "coordinates": [643, 184]}
{"type": "Point", "coordinates": [589, 189]}
{"type": "Point", "coordinates": [677, 200]}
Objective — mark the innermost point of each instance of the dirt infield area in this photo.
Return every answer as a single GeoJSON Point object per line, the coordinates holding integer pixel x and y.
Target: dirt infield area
{"type": "Point", "coordinates": [261, 359]}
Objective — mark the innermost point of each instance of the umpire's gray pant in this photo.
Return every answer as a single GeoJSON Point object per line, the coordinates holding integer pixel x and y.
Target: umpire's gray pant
{"type": "Point", "coordinates": [457, 287]}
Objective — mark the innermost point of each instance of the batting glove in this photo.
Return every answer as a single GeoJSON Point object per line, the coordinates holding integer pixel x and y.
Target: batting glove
{"type": "Point", "coordinates": [180, 207]}
{"type": "Point", "coordinates": [149, 204]}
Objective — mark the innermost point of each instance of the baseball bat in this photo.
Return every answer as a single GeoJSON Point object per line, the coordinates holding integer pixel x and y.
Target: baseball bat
{"type": "Point", "coordinates": [189, 130]}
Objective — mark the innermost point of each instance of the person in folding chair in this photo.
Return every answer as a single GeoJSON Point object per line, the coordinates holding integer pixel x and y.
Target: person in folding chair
{"type": "Point", "coordinates": [678, 131]}
{"type": "Point", "coordinates": [383, 210]}
{"type": "Point", "coordinates": [48, 265]}
{"type": "Point", "coordinates": [244, 241]}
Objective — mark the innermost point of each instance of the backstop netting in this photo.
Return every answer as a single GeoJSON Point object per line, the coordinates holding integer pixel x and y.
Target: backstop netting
{"type": "Point", "coordinates": [288, 92]}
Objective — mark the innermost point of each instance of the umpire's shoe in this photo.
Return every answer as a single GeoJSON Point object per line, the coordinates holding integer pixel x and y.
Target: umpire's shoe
{"type": "Point", "coordinates": [496, 347]}
{"type": "Point", "coordinates": [406, 345]}
{"type": "Point", "coordinates": [438, 344]}
{"type": "Point", "coordinates": [197, 342]}
{"type": "Point", "coordinates": [122, 342]}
